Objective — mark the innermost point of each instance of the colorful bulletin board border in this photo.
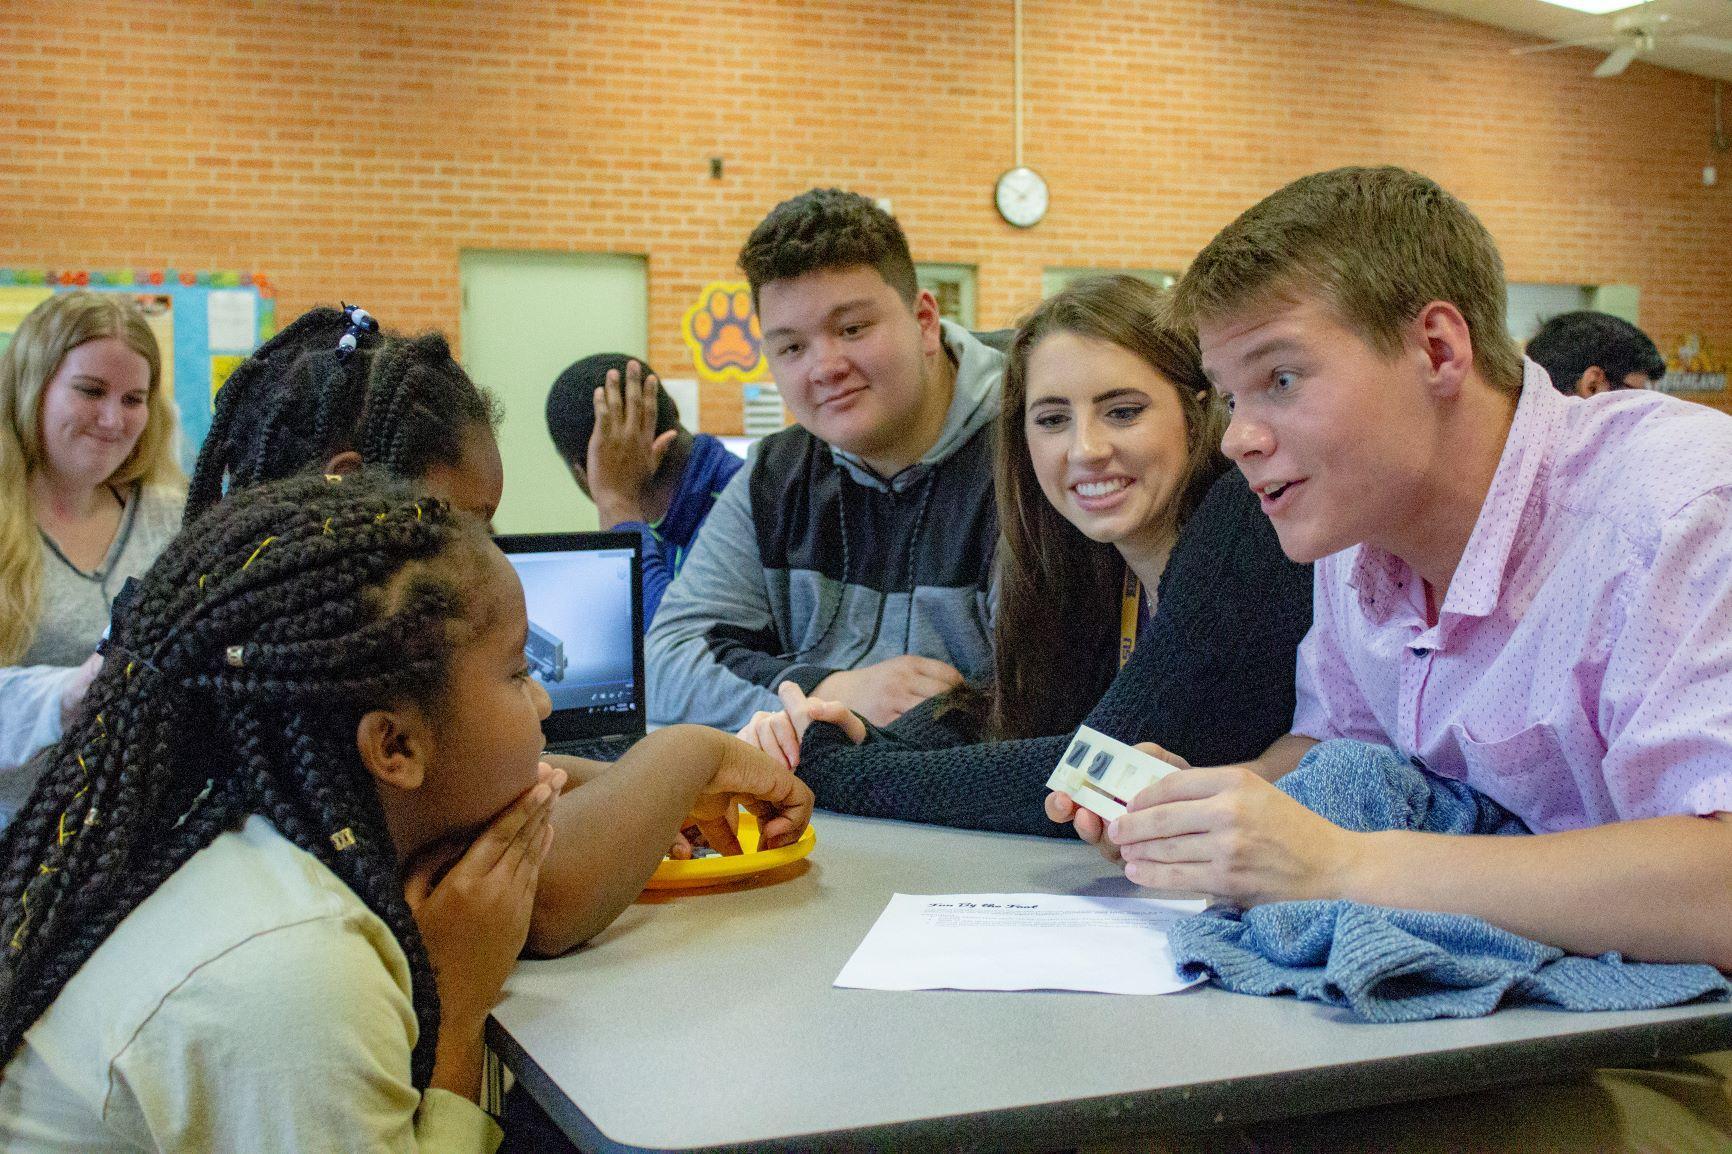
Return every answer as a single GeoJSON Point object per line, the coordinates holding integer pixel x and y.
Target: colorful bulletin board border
{"type": "Point", "coordinates": [722, 333]}
{"type": "Point", "coordinates": [211, 321]}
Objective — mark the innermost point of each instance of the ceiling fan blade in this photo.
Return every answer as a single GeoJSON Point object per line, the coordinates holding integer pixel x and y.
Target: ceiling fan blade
{"type": "Point", "coordinates": [1704, 43]}
{"type": "Point", "coordinates": [1619, 60]}
{"type": "Point", "coordinates": [1557, 44]}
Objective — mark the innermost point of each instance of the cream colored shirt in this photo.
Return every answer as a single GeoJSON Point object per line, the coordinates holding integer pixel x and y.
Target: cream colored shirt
{"type": "Point", "coordinates": [251, 1003]}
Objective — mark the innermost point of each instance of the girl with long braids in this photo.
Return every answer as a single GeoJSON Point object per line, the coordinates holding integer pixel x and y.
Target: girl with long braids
{"type": "Point", "coordinates": [271, 882]}
{"type": "Point", "coordinates": [1141, 589]}
{"type": "Point", "coordinates": [205, 941]}
{"type": "Point", "coordinates": [333, 392]}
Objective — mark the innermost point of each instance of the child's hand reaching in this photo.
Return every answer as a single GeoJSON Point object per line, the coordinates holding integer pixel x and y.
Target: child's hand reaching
{"type": "Point", "coordinates": [751, 778]}
{"type": "Point", "coordinates": [474, 919]}
{"type": "Point", "coordinates": [779, 734]}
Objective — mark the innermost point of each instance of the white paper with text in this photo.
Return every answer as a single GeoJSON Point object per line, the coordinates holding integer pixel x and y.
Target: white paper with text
{"type": "Point", "coordinates": [1020, 942]}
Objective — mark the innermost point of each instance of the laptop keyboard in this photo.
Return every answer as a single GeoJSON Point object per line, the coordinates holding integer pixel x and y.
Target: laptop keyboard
{"type": "Point", "coordinates": [596, 748]}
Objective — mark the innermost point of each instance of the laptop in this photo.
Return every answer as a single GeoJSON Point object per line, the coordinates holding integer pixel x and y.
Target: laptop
{"type": "Point", "coordinates": [584, 593]}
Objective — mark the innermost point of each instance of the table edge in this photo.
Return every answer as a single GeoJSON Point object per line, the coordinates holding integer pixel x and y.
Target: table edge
{"type": "Point", "coordinates": [1191, 1109]}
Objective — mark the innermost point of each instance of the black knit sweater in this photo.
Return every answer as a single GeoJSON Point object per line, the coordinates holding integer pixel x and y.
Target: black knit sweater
{"type": "Point", "coordinates": [1211, 679]}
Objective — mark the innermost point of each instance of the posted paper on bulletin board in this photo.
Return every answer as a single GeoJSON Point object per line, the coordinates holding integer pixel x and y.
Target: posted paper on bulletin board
{"type": "Point", "coordinates": [16, 301]}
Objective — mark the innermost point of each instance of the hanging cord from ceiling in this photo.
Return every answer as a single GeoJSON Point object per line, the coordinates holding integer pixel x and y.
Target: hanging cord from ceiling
{"type": "Point", "coordinates": [1016, 57]}
{"type": "Point", "coordinates": [1721, 144]}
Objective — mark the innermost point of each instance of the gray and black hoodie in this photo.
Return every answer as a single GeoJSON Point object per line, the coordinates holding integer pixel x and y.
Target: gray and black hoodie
{"type": "Point", "coordinates": [810, 563]}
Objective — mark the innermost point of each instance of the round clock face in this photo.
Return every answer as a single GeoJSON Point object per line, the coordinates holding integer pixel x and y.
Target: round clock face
{"type": "Point", "coordinates": [1021, 197]}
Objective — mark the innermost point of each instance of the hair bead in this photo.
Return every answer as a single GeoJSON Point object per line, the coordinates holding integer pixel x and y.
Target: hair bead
{"type": "Point", "coordinates": [360, 321]}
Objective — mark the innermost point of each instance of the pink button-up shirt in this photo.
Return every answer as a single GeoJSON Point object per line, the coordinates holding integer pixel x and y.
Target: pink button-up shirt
{"type": "Point", "coordinates": [1580, 671]}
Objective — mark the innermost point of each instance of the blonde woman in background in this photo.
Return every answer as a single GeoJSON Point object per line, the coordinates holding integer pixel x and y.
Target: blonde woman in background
{"type": "Point", "coordinates": [89, 495]}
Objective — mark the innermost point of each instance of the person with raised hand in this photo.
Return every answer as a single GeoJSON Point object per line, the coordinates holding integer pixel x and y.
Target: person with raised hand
{"type": "Point", "coordinates": [619, 433]}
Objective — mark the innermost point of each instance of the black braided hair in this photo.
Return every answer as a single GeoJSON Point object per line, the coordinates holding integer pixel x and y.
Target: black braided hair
{"type": "Point", "coordinates": [401, 402]}
{"type": "Point", "coordinates": [234, 686]}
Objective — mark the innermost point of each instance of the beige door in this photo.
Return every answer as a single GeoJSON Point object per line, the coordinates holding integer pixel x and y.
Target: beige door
{"type": "Point", "coordinates": [526, 316]}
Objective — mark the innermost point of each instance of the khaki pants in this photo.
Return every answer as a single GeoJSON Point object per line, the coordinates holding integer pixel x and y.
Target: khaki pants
{"type": "Point", "coordinates": [1683, 1106]}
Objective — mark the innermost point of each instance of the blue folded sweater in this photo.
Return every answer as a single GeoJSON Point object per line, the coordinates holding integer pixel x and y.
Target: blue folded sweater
{"type": "Point", "coordinates": [1393, 965]}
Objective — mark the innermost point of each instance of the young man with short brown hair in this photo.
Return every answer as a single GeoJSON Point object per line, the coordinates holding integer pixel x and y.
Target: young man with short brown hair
{"type": "Point", "coordinates": [853, 555]}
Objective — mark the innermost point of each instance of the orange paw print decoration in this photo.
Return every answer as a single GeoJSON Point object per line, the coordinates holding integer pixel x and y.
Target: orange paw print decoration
{"type": "Point", "coordinates": [723, 334]}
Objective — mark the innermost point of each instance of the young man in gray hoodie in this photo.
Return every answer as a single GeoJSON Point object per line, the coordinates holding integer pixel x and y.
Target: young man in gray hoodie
{"type": "Point", "coordinates": [852, 556]}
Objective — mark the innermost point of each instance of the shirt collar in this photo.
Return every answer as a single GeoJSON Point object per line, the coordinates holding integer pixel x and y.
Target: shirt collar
{"type": "Point", "coordinates": [1384, 581]}
{"type": "Point", "coordinates": [1478, 580]}
{"type": "Point", "coordinates": [1380, 578]}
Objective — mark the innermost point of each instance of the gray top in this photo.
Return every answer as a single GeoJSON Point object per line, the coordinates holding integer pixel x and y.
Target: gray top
{"type": "Point", "coordinates": [707, 1019]}
{"type": "Point", "coordinates": [74, 612]}
{"type": "Point", "coordinates": [75, 602]}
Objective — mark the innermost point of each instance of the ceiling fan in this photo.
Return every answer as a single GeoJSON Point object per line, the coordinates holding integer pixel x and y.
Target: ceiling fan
{"type": "Point", "coordinates": [1632, 35]}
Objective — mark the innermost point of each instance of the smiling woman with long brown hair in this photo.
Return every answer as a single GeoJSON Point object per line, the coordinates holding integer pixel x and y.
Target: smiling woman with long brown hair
{"type": "Point", "coordinates": [89, 494]}
{"type": "Point", "coordinates": [1140, 586]}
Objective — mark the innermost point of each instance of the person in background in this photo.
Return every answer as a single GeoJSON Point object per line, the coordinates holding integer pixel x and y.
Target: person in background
{"type": "Point", "coordinates": [1141, 588]}
{"type": "Point", "coordinates": [853, 554]}
{"type": "Point", "coordinates": [1588, 353]}
{"type": "Point", "coordinates": [333, 392]}
{"type": "Point", "coordinates": [619, 433]}
{"type": "Point", "coordinates": [89, 494]}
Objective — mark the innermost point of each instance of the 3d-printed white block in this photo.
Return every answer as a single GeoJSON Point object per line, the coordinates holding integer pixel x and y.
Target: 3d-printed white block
{"type": "Point", "coordinates": [1103, 775]}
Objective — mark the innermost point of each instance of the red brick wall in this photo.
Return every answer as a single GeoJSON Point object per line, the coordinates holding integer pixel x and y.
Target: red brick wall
{"type": "Point", "coordinates": [352, 149]}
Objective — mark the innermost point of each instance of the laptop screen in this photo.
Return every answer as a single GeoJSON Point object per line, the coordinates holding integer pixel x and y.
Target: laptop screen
{"type": "Point", "coordinates": [585, 600]}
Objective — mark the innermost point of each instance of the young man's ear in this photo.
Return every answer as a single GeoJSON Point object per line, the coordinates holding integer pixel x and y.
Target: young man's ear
{"type": "Point", "coordinates": [927, 316]}
{"type": "Point", "coordinates": [394, 745]}
{"type": "Point", "coordinates": [1593, 382]}
{"type": "Point", "coordinates": [1447, 344]}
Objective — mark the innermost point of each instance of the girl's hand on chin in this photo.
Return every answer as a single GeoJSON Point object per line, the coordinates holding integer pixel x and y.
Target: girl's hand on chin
{"type": "Point", "coordinates": [474, 915]}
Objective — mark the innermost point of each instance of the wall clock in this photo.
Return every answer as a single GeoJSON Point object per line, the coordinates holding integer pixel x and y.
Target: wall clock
{"type": "Point", "coordinates": [1021, 196]}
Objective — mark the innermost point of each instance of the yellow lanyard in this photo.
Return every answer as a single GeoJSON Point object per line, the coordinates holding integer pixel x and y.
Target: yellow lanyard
{"type": "Point", "coordinates": [1128, 607]}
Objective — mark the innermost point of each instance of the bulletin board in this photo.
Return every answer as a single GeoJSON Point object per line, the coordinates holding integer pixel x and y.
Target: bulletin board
{"type": "Point", "coordinates": [205, 322]}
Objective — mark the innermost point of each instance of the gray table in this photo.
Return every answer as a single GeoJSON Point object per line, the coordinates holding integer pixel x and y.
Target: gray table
{"type": "Point", "coordinates": [707, 1021]}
